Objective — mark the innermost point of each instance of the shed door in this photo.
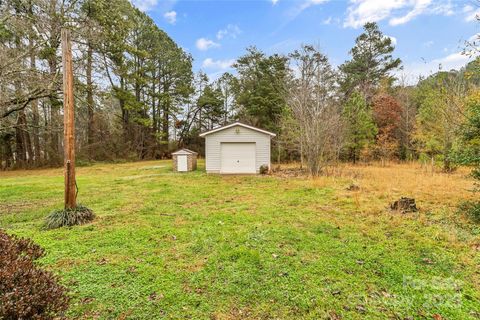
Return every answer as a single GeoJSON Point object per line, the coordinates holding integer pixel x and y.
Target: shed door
{"type": "Point", "coordinates": [182, 163]}
{"type": "Point", "coordinates": [237, 157]}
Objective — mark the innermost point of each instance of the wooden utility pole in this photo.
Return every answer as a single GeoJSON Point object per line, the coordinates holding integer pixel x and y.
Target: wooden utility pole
{"type": "Point", "coordinates": [68, 122]}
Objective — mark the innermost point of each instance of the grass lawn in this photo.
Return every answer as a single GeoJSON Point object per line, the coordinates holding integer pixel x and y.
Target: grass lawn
{"type": "Point", "coordinates": [176, 246]}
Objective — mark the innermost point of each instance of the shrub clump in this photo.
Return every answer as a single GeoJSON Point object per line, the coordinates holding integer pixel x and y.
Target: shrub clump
{"type": "Point", "coordinates": [69, 217]}
{"type": "Point", "coordinates": [264, 169]}
{"type": "Point", "coordinates": [27, 291]}
{"type": "Point", "coordinates": [471, 210]}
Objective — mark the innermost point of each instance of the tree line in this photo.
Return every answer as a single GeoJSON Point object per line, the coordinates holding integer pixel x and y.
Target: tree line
{"type": "Point", "coordinates": [137, 96]}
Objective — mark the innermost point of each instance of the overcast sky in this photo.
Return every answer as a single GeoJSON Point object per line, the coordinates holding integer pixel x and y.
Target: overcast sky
{"type": "Point", "coordinates": [427, 33]}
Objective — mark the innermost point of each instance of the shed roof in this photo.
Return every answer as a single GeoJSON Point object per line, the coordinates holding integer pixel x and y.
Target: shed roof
{"type": "Point", "coordinates": [184, 151]}
{"type": "Point", "coordinates": [203, 134]}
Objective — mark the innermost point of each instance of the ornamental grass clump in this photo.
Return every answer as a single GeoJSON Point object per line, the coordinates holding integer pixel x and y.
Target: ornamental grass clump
{"type": "Point", "coordinates": [69, 217]}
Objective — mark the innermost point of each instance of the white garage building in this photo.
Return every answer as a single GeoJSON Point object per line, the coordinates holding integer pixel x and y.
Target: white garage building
{"type": "Point", "coordinates": [236, 148]}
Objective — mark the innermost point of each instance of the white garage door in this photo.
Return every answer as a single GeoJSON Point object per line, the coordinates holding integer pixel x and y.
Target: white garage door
{"type": "Point", "coordinates": [182, 163]}
{"type": "Point", "coordinates": [237, 157]}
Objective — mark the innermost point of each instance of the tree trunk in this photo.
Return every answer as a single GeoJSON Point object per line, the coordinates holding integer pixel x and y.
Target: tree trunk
{"type": "Point", "coordinates": [90, 102]}
{"type": "Point", "coordinates": [165, 126]}
{"type": "Point", "coordinates": [433, 164]}
{"type": "Point", "coordinates": [278, 150]}
{"type": "Point", "coordinates": [154, 101]}
{"type": "Point", "coordinates": [55, 104]}
{"type": "Point", "coordinates": [20, 150]}
{"type": "Point", "coordinates": [125, 114]}
{"type": "Point", "coordinates": [6, 150]}
{"type": "Point", "coordinates": [35, 116]}
{"type": "Point", "coordinates": [301, 153]}
{"type": "Point", "coordinates": [54, 150]}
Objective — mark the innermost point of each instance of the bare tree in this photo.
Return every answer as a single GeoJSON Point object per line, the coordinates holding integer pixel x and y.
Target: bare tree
{"type": "Point", "coordinates": [314, 105]}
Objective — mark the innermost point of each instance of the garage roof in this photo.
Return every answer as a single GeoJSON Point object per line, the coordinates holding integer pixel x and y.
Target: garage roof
{"type": "Point", "coordinates": [236, 124]}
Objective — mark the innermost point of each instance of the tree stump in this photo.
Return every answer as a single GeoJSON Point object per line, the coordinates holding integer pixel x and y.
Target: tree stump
{"type": "Point", "coordinates": [404, 205]}
{"type": "Point", "coordinates": [353, 187]}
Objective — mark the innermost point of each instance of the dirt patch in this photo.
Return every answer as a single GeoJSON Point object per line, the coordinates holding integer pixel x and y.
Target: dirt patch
{"type": "Point", "coordinates": [290, 172]}
{"type": "Point", "coordinates": [19, 206]}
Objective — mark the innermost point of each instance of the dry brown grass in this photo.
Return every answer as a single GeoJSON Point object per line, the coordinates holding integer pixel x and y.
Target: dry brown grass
{"type": "Point", "coordinates": [380, 185]}
{"type": "Point", "coordinates": [437, 195]}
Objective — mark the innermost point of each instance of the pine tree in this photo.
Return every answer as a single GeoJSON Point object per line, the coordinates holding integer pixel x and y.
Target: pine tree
{"type": "Point", "coordinates": [359, 126]}
{"type": "Point", "coordinates": [212, 105]}
{"type": "Point", "coordinates": [371, 62]}
{"type": "Point", "coordinates": [260, 89]}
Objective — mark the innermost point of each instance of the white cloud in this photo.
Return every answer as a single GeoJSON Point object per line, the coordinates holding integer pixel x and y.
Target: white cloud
{"type": "Point", "coordinates": [309, 3]}
{"type": "Point", "coordinates": [145, 5]}
{"type": "Point", "coordinates": [284, 46]}
{"type": "Point", "coordinates": [397, 12]}
{"type": "Point", "coordinates": [445, 9]}
{"type": "Point", "coordinates": [327, 21]}
{"type": "Point", "coordinates": [428, 44]}
{"type": "Point", "coordinates": [470, 13]}
{"type": "Point", "coordinates": [467, 8]}
{"type": "Point", "coordinates": [204, 44]}
{"type": "Point", "coordinates": [419, 8]}
{"type": "Point", "coordinates": [475, 37]}
{"type": "Point", "coordinates": [209, 63]}
{"type": "Point", "coordinates": [231, 31]}
{"type": "Point", "coordinates": [296, 10]}
{"type": "Point", "coordinates": [170, 16]}
{"type": "Point", "coordinates": [362, 11]}
{"type": "Point", "coordinates": [274, 2]}
{"type": "Point", "coordinates": [451, 61]}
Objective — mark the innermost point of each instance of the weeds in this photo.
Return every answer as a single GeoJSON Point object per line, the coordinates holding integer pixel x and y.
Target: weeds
{"type": "Point", "coordinates": [472, 210]}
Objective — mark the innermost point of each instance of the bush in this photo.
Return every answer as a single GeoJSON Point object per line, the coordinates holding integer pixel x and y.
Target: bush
{"type": "Point", "coordinates": [264, 169]}
{"type": "Point", "coordinates": [26, 291]}
{"type": "Point", "coordinates": [69, 217]}
{"type": "Point", "coordinates": [471, 210]}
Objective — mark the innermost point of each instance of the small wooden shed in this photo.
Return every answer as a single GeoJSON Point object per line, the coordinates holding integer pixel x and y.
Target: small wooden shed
{"type": "Point", "coordinates": [184, 160]}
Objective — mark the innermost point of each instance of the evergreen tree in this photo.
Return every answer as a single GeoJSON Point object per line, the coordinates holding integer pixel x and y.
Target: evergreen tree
{"type": "Point", "coordinates": [371, 62]}
{"type": "Point", "coordinates": [226, 84]}
{"type": "Point", "coordinates": [360, 128]}
{"type": "Point", "coordinates": [260, 89]}
{"type": "Point", "coordinates": [212, 105]}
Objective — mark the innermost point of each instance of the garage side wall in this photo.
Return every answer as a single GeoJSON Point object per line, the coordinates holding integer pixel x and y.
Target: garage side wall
{"type": "Point", "coordinates": [235, 134]}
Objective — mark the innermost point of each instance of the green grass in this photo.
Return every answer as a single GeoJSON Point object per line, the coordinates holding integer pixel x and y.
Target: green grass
{"type": "Point", "coordinates": [176, 246]}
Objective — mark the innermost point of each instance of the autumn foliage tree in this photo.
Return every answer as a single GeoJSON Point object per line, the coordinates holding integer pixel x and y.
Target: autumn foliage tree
{"type": "Point", "coordinates": [440, 116]}
{"type": "Point", "coordinates": [387, 114]}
